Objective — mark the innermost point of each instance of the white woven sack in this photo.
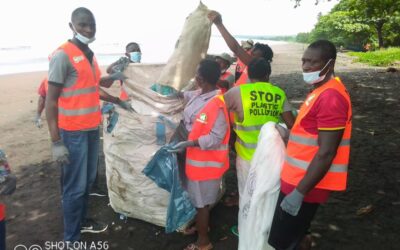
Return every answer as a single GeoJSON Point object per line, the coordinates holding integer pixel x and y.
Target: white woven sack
{"type": "Point", "coordinates": [131, 144]}
{"type": "Point", "coordinates": [191, 47]}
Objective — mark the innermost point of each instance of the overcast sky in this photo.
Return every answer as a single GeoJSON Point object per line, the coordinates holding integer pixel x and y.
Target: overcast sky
{"type": "Point", "coordinates": [27, 22]}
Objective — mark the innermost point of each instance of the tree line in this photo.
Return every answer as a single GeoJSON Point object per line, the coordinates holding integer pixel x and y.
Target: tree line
{"type": "Point", "coordinates": [358, 24]}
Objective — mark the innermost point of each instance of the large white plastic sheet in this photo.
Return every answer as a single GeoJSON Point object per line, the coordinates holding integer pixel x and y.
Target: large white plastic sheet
{"type": "Point", "coordinates": [257, 205]}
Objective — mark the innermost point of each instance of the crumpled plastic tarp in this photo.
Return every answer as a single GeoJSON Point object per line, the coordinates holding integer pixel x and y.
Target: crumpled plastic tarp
{"type": "Point", "coordinates": [257, 205]}
{"type": "Point", "coordinates": [163, 170]}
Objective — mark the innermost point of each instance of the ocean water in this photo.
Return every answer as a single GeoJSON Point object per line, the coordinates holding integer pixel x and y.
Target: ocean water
{"type": "Point", "coordinates": [35, 58]}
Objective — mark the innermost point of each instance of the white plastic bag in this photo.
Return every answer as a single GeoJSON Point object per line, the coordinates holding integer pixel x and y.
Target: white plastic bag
{"type": "Point", "coordinates": [257, 205]}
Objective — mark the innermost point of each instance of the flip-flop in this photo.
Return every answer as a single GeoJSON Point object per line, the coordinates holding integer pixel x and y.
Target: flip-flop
{"type": "Point", "coordinates": [191, 230]}
{"type": "Point", "coordinates": [194, 246]}
{"type": "Point", "coordinates": [235, 230]}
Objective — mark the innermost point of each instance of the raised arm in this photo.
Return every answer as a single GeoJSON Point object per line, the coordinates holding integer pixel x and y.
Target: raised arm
{"type": "Point", "coordinates": [233, 45]}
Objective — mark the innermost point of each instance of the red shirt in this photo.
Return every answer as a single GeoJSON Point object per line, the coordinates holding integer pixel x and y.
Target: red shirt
{"type": "Point", "coordinates": [329, 112]}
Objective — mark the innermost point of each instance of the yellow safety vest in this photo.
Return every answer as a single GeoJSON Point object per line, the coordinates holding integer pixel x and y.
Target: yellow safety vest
{"type": "Point", "coordinates": [262, 102]}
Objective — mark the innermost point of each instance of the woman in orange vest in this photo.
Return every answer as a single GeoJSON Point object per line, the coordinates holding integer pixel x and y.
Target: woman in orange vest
{"type": "Point", "coordinates": [259, 50]}
{"type": "Point", "coordinates": [317, 152]}
{"type": "Point", "coordinates": [207, 158]}
{"type": "Point", "coordinates": [7, 186]}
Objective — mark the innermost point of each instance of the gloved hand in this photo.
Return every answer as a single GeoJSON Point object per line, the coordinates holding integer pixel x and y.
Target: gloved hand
{"type": "Point", "coordinates": [125, 105]}
{"type": "Point", "coordinates": [38, 121]}
{"type": "Point", "coordinates": [60, 152]}
{"type": "Point", "coordinates": [180, 146]}
{"type": "Point", "coordinates": [8, 185]}
{"type": "Point", "coordinates": [117, 76]}
{"type": "Point", "coordinates": [284, 132]}
{"type": "Point", "coordinates": [291, 204]}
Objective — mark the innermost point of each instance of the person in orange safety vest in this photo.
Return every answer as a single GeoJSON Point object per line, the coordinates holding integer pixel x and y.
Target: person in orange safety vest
{"type": "Point", "coordinates": [317, 151]}
{"type": "Point", "coordinates": [259, 50]}
{"type": "Point", "coordinates": [73, 117]}
{"type": "Point", "coordinates": [42, 92]}
{"type": "Point", "coordinates": [207, 155]}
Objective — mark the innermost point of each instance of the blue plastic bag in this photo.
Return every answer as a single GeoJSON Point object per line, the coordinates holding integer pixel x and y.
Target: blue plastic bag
{"type": "Point", "coordinates": [163, 170]}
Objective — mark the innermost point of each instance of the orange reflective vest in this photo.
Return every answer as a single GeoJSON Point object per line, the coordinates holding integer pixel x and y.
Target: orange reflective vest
{"type": "Point", "coordinates": [123, 95]}
{"type": "Point", "coordinates": [244, 78]}
{"type": "Point", "coordinates": [240, 66]}
{"type": "Point", "coordinates": [208, 164]}
{"type": "Point", "coordinates": [303, 146]}
{"type": "Point", "coordinates": [2, 212]}
{"type": "Point", "coordinates": [79, 104]}
{"type": "Point", "coordinates": [224, 76]}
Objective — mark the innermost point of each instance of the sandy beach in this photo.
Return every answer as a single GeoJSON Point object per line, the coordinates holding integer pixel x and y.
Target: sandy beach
{"type": "Point", "coordinates": [34, 212]}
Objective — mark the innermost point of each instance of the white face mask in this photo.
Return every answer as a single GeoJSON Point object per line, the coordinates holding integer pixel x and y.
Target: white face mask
{"type": "Point", "coordinates": [83, 39]}
{"type": "Point", "coordinates": [314, 77]}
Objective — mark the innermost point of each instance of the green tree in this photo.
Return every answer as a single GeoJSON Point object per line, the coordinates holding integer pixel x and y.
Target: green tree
{"type": "Point", "coordinates": [340, 28]}
{"type": "Point", "coordinates": [303, 37]}
{"type": "Point", "coordinates": [381, 15]}
{"type": "Point", "coordinates": [376, 13]}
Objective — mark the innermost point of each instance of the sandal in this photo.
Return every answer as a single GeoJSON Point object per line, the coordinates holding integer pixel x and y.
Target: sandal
{"type": "Point", "coordinates": [191, 230]}
{"type": "Point", "coordinates": [194, 246]}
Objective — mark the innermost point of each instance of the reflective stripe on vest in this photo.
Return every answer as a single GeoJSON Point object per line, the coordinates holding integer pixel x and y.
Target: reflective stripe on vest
{"type": "Point", "coordinates": [335, 168]}
{"type": "Point", "coordinates": [258, 100]}
{"type": "Point", "coordinates": [313, 142]}
{"type": "Point", "coordinates": [303, 146]}
{"type": "Point", "coordinates": [79, 103]}
{"type": "Point", "coordinates": [76, 92]}
{"type": "Point", "coordinates": [75, 112]}
{"type": "Point", "coordinates": [211, 163]}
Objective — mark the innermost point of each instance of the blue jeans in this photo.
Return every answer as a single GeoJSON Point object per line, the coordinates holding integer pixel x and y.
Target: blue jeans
{"type": "Point", "coordinates": [77, 177]}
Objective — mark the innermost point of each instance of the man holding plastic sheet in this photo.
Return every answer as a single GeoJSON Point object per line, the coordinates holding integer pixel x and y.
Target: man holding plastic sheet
{"type": "Point", "coordinates": [254, 104]}
{"type": "Point", "coordinates": [317, 152]}
{"type": "Point", "coordinates": [73, 116]}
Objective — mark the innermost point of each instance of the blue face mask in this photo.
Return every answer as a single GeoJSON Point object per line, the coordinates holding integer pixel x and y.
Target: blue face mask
{"type": "Point", "coordinates": [314, 77]}
{"type": "Point", "coordinates": [83, 39]}
{"type": "Point", "coordinates": [135, 56]}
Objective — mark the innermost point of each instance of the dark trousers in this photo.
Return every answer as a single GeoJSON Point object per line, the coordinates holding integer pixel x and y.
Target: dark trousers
{"type": "Point", "coordinates": [287, 231]}
{"type": "Point", "coordinates": [3, 234]}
